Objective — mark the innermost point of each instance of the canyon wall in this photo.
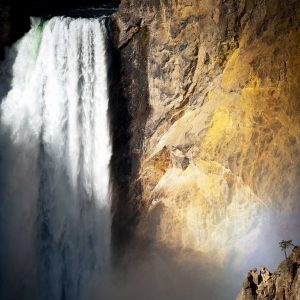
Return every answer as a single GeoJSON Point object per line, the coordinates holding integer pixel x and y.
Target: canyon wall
{"type": "Point", "coordinates": [205, 113]}
{"type": "Point", "coordinates": [213, 96]}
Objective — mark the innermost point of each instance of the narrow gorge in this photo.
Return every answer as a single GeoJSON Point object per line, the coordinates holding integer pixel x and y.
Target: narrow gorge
{"type": "Point", "coordinates": [149, 149]}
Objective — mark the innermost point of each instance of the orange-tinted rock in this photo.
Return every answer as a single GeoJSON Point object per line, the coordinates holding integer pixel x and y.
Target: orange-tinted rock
{"type": "Point", "coordinates": [223, 82]}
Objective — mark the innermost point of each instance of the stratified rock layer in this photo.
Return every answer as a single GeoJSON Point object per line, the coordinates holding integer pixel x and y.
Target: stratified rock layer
{"type": "Point", "coordinates": [284, 283]}
{"type": "Point", "coordinates": [218, 147]}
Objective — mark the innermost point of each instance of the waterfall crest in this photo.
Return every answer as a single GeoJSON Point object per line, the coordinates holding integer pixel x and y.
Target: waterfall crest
{"type": "Point", "coordinates": [55, 154]}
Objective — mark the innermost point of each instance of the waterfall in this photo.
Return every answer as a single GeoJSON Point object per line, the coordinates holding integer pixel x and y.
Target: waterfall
{"type": "Point", "coordinates": [54, 162]}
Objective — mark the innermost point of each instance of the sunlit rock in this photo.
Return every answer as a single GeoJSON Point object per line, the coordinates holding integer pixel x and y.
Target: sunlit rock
{"type": "Point", "coordinates": [221, 144]}
{"type": "Point", "coordinates": [282, 284]}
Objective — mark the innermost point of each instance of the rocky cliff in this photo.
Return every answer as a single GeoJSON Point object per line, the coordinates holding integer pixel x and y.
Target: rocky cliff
{"type": "Point", "coordinates": [284, 283]}
{"type": "Point", "coordinates": [206, 119]}
{"type": "Point", "coordinates": [212, 92]}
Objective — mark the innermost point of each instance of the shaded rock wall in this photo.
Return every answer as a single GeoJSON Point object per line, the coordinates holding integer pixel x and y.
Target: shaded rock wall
{"type": "Point", "coordinates": [129, 112]}
{"type": "Point", "coordinates": [4, 25]}
{"type": "Point", "coordinates": [219, 148]}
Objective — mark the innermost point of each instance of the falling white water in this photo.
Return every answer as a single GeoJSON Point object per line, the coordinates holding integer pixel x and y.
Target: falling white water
{"type": "Point", "coordinates": [55, 154]}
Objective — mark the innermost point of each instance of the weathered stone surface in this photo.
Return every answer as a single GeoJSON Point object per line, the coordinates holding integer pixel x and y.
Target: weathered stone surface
{"type": "Point", "coordinates": [221, 142]}
{"type": "Point", "coordinates": [283, 284]}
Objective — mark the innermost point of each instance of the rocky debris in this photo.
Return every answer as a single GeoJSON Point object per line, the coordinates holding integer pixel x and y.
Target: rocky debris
{"type": "Point", "coordinates": [283, 284]}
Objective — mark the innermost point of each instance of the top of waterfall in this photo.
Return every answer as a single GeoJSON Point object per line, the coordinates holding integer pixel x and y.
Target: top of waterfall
{"type": "Point", "coordinates": [82, 12]}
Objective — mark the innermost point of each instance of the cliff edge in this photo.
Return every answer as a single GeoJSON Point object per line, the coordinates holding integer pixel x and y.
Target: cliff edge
{"type": "Point", "coordinates": [284, 283]}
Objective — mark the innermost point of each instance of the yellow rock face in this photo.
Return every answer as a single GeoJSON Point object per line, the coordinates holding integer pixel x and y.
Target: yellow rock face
{"type": "Point", "coordinates": [222, 143]}
{"type": "Point", "coordinates": [239, 138]}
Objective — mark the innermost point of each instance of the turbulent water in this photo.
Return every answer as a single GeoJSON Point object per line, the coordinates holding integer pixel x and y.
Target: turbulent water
{"type": "Point", "coordinates": [54, 163]}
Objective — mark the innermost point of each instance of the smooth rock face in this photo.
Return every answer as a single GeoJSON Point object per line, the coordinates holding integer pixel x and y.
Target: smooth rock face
{"type": "Point", "coordinates": [219, 149]}
{"type": "Point", "coordinates": [283, 284]}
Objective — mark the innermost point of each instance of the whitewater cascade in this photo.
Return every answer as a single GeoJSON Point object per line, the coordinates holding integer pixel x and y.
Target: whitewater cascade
{"type": "Point", "coordinates": [54, 164]}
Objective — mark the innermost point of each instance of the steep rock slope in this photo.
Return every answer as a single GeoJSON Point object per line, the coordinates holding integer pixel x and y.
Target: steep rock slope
{"type": "Point", "coordinates": [213, 101]}
{"type": "Point", "coordinates": [284, 283]}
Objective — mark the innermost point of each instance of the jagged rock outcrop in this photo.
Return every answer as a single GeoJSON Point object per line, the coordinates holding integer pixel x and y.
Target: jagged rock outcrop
{"type": "Point", "coordinates": [213, 100]}
{"type": "Point", "coordinates": [284, 283]}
